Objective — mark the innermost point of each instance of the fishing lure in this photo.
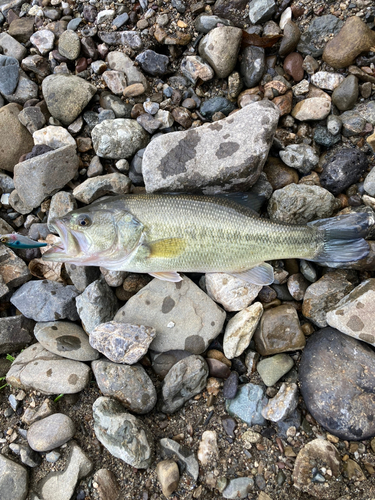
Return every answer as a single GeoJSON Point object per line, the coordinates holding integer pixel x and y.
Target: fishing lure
{"type": "Point", "coordinates": [15, 240]}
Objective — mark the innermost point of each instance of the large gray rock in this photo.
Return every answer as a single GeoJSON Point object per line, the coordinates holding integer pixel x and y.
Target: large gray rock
{"type": "Point", "coordinates": [183, 316]}
{"type": "Point", "coordinates": [301, 203]}
{"type": "Point", "coordinates": [38, 369]}
{"type": "Point", "coordinates": [43, 175]}
{"type": "Point", "coordinates": [13, 480]}
{"type": "Point", "coordinates": [8, 44]}
{"type": "Point", "coordinates": [46, 301]}
{"type": "Point", "coordinates": [199, 158]}
{"type": "Point", "coordinates": [123, 434]}
{"type": "Point", "coordinates": [15, 333]}
{"type": "Point", "coordinates": [65, 339]}
{"type": "Point", "coordinates": [354, 314]}
{"type": "Point", "coordinates": [96, 305]}
{"type": "Point", "coordinates": [129, 384]}
{"type": "Point", "coordinates": [261, 10]}
{"type": "Point", "coordinates": [61, 485]}
{"type": "Point", "coordinates": [220, 48]}
{"type": "Point", "coordinates": [119, 138]}
{"type": "Point", "coordinates": [66, 96]}
{"type": "Point", "coordinates": [184, 380]}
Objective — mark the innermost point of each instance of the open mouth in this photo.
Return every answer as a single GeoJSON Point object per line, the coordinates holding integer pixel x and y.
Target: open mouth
{"type": "Point", "coordinates": [64, 247]}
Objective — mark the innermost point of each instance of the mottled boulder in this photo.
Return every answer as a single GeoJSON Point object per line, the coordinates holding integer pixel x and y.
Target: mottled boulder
{"type": "Point", "coordinates": [199, 158]}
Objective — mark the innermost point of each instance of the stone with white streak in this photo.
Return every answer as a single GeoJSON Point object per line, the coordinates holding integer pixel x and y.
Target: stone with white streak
{"type": "Point", "coordinates": [54, 137]}
{"type": "Point", "coordinates": [354, 314]}
{"type": "Point", "coordinates": [240, 329]}
{"type": "Point", "coordinates": [208, 449]}
{"type": "Point", "coordinates": [199, 158]}
{"type": "Point", "coordinates": [283, 404]}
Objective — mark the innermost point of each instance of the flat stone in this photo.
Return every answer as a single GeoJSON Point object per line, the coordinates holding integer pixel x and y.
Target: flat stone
{"type": "Point", "coordinates": [96, 305]}
{"type": "Point", "coordinates": [108, 486]}
{"type": "Point", "coordinates": [66, 96]}
{"type": "Point", "coordinates": [220, 48]}
{"type": "Point", "coordinates": [128, 384]}
{"type": "Point", "coordinates": [208, 449]}
{"type": "Point", "coordinates": [326, 455]}
{"type": "Point", "coordinates": [185, 456]}
{"type": "Point", "coordinates": [238, 488]}
{"type": "Point", "coordinates": [115, 81]}
{"type": "Point", "coordinates": [273, 368]}
{"type": "Point", "coordinates": [206, 22]}
{"type": "Point", "coordinates": [232, 293]}
{"type": "Point", "coordinates": [283, 404]}
{"type": "Point", "coordinates": [21, 29]}
{"type": "Point", "coordinates": [185, 161]}
{"type": "Point", "coordinates": [324, 295]}
{"type": "Point", "coordinates": [162, 363]}
{"type": "Point", "coordinates": [13, 270]}
{"type": "Point", "coordinates": [279, 330]}
{"type": "Point", "coordinates": [240, 329]}
{"type": "Point", "coordinates": [43, 40]}
{"type": "Point", "coordinates": [326, 80]}
{"type": "Point", "coordinates": [42, 176]}
{"type": "Point", "coordinates": [122, 342]}
{"type": "Point", "coordinates": [248, 404]}
{"type": "Point", "coordinates": [11, 47]}
{"type": "Point", "coordinates": [65, 339]}
{"type": "Point", "coordinates": [354, 37]}
{"type": "Point", "coordinates": [353, 314]}
{"type": "Point", "coordinates": [15, 138]}
{"type": "Point", "coordinates": [46, 301]}
{"type": "Point", "coordinates": [69, 45]}
{"type": "Point", "coordinates": [119, 138]}
{"type": "Point", "coordinates": [82, 276]}
{"type": "Point", "coordinates": [123, 434]}
{"type": "Point", "coordinates": [129, 38]}
{"type": "Point", "coordinates": [54, 137]}
{"type": "Point", "coordinates": [15, 333]}
{"type": "Point", "coordinates": [121, 62]}
{"type": "Point", "coordinates": [25, 90]}
{"type": "Point", "coordinates": [185, 379]}
{"type": "Point", "coordinates": [313, 40]}
{"type": "Point", "coordinates": [37, 64]}
{"type": "Point", "coordinates": [96, 187]}
{"type": "Point", "coordinates": [60, 485]}
{"type": "Point", "coordinates": [301, 203]}
{"type": "Point", "coordinates": [38, 369]}
{"type": "Point", "coordinates": [313, 108]}
{"type": "Point", "coordinates": [278, 174]}
{"type": "Point", "coordinates": [13, 480]}
{"type": "Point", "coordinates": [333, 387]}
{"type": "Point", "coordinates": [50, 432]}
{"type": "Point", "coordinates": [183, 316]}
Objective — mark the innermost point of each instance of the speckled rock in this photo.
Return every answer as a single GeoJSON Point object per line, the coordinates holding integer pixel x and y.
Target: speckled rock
{"type": "Point", "coordinates": [13, 480]}
{"type": "Point", "coordinates": [333, 385]}
{"type": "Point", "coordinates": [96, 187]}
{"type": "Point", "coordinates": [279, 330]}
{"type": "Point", "coordinates": [43, 40]}
{"type": "Point", "coordinates": [123, 434]}
{"type": "Point", "coordinates": [302, 157]}
{"type": "Point", "coordinates": [248, 404]}
{"type": "Point", "coordinates": [312, 108]}
{"type": "Point", "coordinates": [198, 158]}
{"type": "Point", "coordinates": [184, 380]}
{"type": "Point", "coordinates": [183, 316]}
{"type": "Point", "coordinates": [46, 301]}
{"type": "Point", "coordinates": [283, 404]}
{"type": "Point", "coordinates": [252, 65]}
{"type": "Point", "coordinates": [122, 342]}
{"type": "Point", "coordinates": [119, 138]}
{"type": "Point", "coordinates": [240, 329]}
{"type": "Point", "coordinates": [220, 48]}
{"type": "Point", "coordinates": [96, 305]}
{"type": "Point", "coordinates": [38, 369]}
{"type": "Point", "coordinates": [52, 136]}
{"type": "Point", "coordinates": [66, 96]}
{"type": "Point", "coordinates": [66, 339]}
{"type": "Point", "coordinates": [353, 315]}
{"type": "Point", "coordinates": [301, 203]}
{"type": "Point", "coordinates": [69, 45]}
{"type": "Point", "coordinates": [168, 476]}
{"type": "Point", "coordinates": [50, 432]}
{"type": "Point", "coordinates": [273, 368]}
{"type": "Point", "coordinates": [232, 293]}
{"type": "Point", "coordinates": [324, 295]}
{"type": "Point", "coordinates": [129, 384]}
{"type": "Point", "coordinates": [193, 67]}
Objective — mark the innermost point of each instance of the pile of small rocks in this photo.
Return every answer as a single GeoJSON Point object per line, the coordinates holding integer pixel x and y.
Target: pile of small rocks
{"type": "Point", "coordinates": [212, 387]}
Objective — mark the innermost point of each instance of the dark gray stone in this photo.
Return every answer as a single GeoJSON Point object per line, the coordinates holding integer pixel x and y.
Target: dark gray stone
{"type": "Point", "coordinates": [323, 137]}
{"type": "Point", "coordinates": [9, 74]}
{"type": "Point", "coordinates": [15, 333]}
{"type": "Point", "coordinates": [153, 63]}
{"type": "Point", "coordinates": [215, 105]}
{"type": "Point", "coordinates": [252, 65]}
{"type": "Point", "coordinates": [82, 276]}
{"type": "Point", "coordinates": [313, 40]}
{"type": "Point", "coordinates": [336, 390]}
{"type": "Point", "coordinates": [205, 22]}
{"type": "Point", "coordinates": [345, 95]}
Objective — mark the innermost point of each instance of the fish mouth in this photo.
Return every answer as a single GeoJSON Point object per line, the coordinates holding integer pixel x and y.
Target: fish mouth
{"type": "Point", "coordinates": [67, 248]}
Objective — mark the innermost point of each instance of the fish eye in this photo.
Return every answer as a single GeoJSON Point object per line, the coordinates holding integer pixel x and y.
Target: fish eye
{"type": "Point", "coordinates": [3, 240]}
{"type": "Point", "coordinates": [84, 221]}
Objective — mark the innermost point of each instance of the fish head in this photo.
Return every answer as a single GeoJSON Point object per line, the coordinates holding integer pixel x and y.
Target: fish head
{"type": "Point", "coordinates": [95, 236]}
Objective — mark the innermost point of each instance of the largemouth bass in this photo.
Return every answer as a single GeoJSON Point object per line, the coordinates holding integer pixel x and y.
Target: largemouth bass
{"type": "Point", "coordinates": [166, 234]}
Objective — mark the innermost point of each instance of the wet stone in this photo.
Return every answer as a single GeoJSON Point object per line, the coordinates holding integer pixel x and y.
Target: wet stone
{"type": "Point", "coordinates": [50, 432]}
{"type": "Point", "coordinates": [128, 384]}
{"type": "Point", "coordinates": [252, 65]}
{"type": "Point", "coordinates": [123, 434]}
{"type": "Point", "coordinates": [248, 404]}
{"type": "Point", "coordinates": [273, 368]}
{"type": "Point", "coordinates": [230, 386]}
{"type": "Point", "coordinates": [214, 105]}
{"type": "Point", "coordinates": [66, 339]}
{"type": "Point", "coordinates": [122, 342]}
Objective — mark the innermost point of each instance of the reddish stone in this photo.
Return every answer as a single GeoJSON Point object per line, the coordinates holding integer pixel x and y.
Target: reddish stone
{"type": "Point", "coordinates": [293, 66]}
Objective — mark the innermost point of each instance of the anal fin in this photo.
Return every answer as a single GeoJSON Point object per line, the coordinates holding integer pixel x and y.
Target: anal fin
{"type": "Point", "coordinates": [167, 276]}
{"type": "Point", "coordinates": [258, 275]}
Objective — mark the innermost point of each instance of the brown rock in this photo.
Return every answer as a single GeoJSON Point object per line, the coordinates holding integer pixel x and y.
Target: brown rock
{"type": "Point", "coordinates": [22, 29]}
{"type": "Point", "coordinates": [182, 116]}
{"type": "Point", "coordinates": [278, 174]}
{"type": "Point", "coordinates": [314, 108]}
{"type": "Point", "coordinates": [134, 90]}
{"type": "Point", "coordinates": [361, 75]}
{"type": "Point", "coordinates": [293, 66]}
{"type": "Point", "coordinates": [249, 96]}
{"type": "Point", "coordinates": [215, 354]}
{"type": "Point", "coordinates": [284, 103]}
{"type": "Point", "coordinates": [217, 368]}
{"type": "Point", "coordinates": [279, 330]}
{"type": "Point", "coordinates": [168, 475]}
{"type": "Point", "coordinates": [290, 39]}
{"type": "Point", "coordinates": [108, 487]}
{"type": "Point", "coordinates": [177, 38]}
{"type": "Point", "coordinates": [15, 138]}
{"type": "Point", "coordinates": [354, 37]}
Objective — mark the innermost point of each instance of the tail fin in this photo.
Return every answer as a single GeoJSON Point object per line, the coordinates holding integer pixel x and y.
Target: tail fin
{"type": "Point", "coordinates": [344, 237]}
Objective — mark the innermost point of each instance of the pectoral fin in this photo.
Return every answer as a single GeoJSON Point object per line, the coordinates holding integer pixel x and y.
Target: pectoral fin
{"type": "Point", "coordinates": [258, 275]}
{"type": "Point", "coordinates": [167, 276]}
{"type": "Point", "coordinates": [167, 248]}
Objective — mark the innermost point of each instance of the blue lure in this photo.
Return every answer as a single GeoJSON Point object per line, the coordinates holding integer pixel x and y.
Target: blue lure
{"type": "Point", "coordinates": [15, 240]}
